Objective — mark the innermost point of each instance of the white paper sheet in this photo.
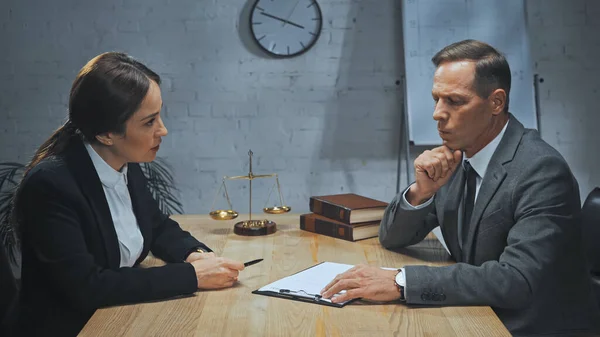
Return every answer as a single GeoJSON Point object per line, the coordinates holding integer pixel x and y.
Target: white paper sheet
{"type": "Point", "coordinates": [309, 282]}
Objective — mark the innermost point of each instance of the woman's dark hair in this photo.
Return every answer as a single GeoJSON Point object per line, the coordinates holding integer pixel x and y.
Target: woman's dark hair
{"type": "Point", "coordinates": [105, 94]}
{"type": "Point", "coordinates": [491, 67]}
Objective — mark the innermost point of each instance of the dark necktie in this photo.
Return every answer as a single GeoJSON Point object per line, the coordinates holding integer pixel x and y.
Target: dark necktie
{"type": "Point", "coordinates": [469, 200]}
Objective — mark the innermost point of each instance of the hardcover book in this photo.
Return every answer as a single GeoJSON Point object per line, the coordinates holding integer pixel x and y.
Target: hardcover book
{"type": "Point", "coordinates": [351, 232]}
{"type": "Point", "coordinates": [349, 208]}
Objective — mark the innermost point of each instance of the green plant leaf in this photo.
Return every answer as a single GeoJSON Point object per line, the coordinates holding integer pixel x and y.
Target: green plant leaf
{"type": "Point", "coordinates": [8, 186]}
{"type": "Point", "coordinates": [162, 186]}
{"type": "Point", "coordinates": [7, 174]}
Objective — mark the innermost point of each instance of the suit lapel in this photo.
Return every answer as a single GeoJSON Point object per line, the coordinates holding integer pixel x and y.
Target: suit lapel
{"type": "Point", "coordinates": [85, 174]}
{"type": "Point", "coordinates": [494, 176]}
{"type": "Point", "coordinates": [450, 226]}
{"type": "Point", "coordinates": [135, 184]}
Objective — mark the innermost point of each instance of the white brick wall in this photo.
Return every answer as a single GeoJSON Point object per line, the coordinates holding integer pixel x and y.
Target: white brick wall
{"type": "Point", "coordinates": [326, 121]}
{"type": "Point", "coordinates": [565, 43]}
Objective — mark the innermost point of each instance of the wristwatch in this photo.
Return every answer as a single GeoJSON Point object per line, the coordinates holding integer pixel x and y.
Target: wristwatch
{"type": "Point", "coordinates": [194, 250]}
{"type": "Point", "coordinates": [399, 280]}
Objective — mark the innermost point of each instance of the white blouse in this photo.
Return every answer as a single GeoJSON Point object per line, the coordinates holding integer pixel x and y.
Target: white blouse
{"type": "Point", "coordinates": [117, 195]}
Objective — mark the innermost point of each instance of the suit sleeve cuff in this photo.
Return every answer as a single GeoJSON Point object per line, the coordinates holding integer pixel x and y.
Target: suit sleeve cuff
{"type": "Point", "coordinates": [204, 248]}
{"type": "Point", "coordinates": [409, 206]}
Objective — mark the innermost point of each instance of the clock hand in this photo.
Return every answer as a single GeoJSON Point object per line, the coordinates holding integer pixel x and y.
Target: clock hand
{"type": "Point", "coordinates": [282, 20]}
{"type": "Point", "coordinates": [290, 15]}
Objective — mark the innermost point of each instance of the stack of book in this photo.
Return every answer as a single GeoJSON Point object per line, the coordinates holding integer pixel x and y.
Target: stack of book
{"type": "Point", "coordinates": [346, 216]}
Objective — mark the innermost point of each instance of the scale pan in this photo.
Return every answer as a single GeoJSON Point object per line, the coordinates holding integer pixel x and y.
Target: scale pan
{"type": "Point", "coordinates": [224, 214]}
{"type": "Point", "coordinates": [277, 209]}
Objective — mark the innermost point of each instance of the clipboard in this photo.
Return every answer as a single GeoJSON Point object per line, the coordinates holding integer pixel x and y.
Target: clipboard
{"type": "Point", "coordinates": [306, 284]}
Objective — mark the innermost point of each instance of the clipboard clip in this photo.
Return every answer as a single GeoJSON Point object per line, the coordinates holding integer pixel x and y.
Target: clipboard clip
{"type": "Point", "coordinates": [302, 293]}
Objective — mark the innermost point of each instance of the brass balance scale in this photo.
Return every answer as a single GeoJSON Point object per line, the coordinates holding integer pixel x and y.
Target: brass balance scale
{"type": "Point", "coordinates": [250, 227]}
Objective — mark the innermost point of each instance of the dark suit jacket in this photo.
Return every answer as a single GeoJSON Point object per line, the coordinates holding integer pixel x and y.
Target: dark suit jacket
{"type": "Point", "coordinates": [523, 254]}
{"type": "Point", "coordinates": [71, 252]}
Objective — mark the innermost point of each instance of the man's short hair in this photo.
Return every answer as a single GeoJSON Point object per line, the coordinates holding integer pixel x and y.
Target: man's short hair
{"type": "Point", "coordinates": [491, 68]}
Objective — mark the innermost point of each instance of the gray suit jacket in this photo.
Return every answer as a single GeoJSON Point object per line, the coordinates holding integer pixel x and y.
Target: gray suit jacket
{"type": "Point", "coordinates": [522, 256]}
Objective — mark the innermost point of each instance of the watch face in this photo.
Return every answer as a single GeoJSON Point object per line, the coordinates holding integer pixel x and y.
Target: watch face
{"type": "Point", "coordinates": [400, 278]}
{"type": "Point", "coordinates": [285, 28]}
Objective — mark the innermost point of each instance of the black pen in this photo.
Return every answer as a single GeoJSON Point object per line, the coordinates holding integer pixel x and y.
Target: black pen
{"type": "Point", "coordinates": [249, 263]}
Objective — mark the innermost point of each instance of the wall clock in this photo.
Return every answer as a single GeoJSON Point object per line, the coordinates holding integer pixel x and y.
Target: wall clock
{"type": "Point", "coordinates": [285, 28]}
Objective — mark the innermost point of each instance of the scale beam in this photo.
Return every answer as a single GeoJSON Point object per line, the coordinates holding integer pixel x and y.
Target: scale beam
{"type": "Point", "coordinates": [250, 177]}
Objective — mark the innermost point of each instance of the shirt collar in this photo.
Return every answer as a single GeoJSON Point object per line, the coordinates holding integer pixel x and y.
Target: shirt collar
{"type": "Point", "coordinates": [109, 177]}
{"type": "Point", "coordinates": [481, 159]}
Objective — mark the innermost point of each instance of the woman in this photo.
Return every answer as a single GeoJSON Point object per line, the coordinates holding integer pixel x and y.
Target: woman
{"type": "Point", "coordinates": [86, 216]}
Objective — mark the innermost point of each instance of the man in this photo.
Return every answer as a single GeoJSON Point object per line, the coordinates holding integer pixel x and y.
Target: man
{"type": "Point", "coordinates": [507, 204]}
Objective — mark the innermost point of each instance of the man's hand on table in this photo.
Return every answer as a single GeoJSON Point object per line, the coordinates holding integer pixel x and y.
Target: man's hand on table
{"type": "Point", "coordinates": [366, 282]}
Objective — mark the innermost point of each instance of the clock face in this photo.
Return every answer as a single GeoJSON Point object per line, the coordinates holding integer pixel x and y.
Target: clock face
{"type": "Point", "coordinates": [285, 28]}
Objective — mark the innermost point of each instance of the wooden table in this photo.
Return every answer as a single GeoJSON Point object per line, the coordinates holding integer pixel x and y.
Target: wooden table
{"type": "Point", "coordinates": [237, 312]}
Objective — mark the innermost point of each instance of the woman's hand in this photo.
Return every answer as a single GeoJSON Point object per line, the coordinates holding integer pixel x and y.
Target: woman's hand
{"type": "Point", "coordinates": [199, 256]}
{"type": "Point", "coordinates": [217, 272]}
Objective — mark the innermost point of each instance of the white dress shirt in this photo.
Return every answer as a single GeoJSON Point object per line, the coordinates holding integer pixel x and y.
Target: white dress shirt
{"type": "Point", "coordinates": [117, 195]}
{"type": "Point", "coordinates": [480, 162]}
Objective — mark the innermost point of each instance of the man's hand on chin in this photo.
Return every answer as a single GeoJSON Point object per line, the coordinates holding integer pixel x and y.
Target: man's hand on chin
{"type": "Point", "coordinates": [362, 281]}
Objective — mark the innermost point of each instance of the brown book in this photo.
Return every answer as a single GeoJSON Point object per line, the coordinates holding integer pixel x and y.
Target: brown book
{"type": "Point", "coordinates": [321, 225]}
{"type": "Point", "coordinates": [349, 208]}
